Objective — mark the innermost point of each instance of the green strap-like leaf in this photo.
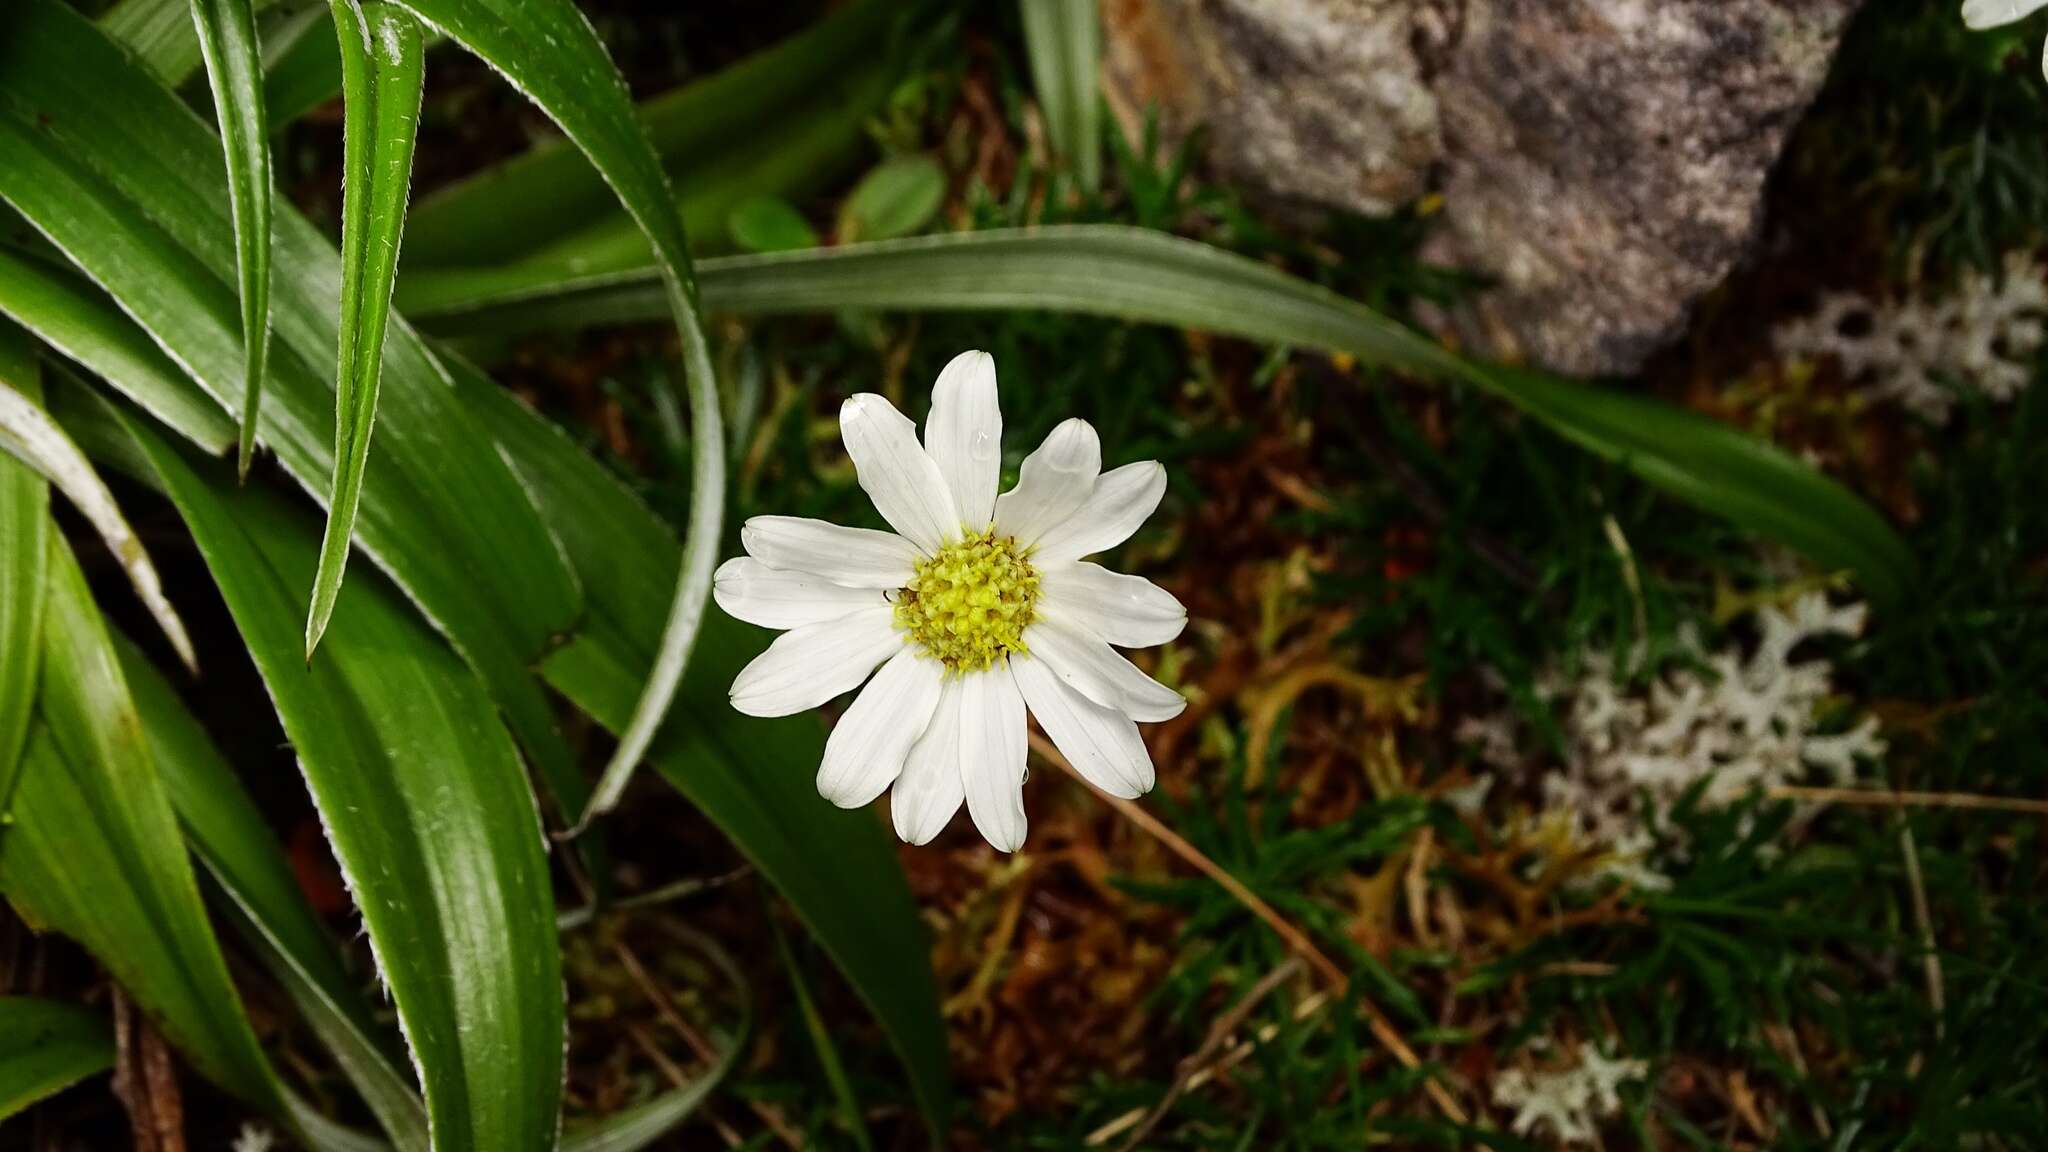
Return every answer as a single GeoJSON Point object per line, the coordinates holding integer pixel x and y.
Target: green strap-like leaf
{"type": "Point", "coordinates": [1134, 274]}
{"type": "Point", "coordinates": [425, 805]}
{"type": "Point", "coordinates": [29, 435]}
{"type": "Point", "coordinates": [836, 868]}
{"type": "Point", "coordinates": [124, 178]}
{"type": "Point", "coordinates": [47, 1046]}
{"type": "Point", "coordinates": [381, 68]}
{"type": "Point", "coordinates": [160, 34]}
{"type": "Point", "coordinates": [77, 319]}
{"type": "Point", "coordinates": [95, 852]}
{"type": "Point", "coordinates": [24, 532]}
{"type": "Point", "coordinates": [234, 69]}
{"type": "Point", "coordinates": [228, 834]}
{"type": "Point", "coordinates": [548, 51]}
{"type": "Point", "coordinates": [1064, 40]}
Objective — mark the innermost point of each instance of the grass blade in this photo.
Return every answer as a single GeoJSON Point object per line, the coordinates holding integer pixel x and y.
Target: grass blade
{"type": "Point", "coordinates": [155, 233]}
{"type": "Point", "coordinates": [425, 805]}
{"type": "Point", "coordinates": [836, 868]}
{"type": "Point", "coordinates": [1064, 40]}
{"type": "Point", "coordinates": [78, 320]}
{"type": "Point", "coordinates": [1139, 275]}
{"type": "Point", "coordinates": [95, 851]}
{"type": "Point", "coordinates": [234, 68]}
{"type": "Point", "coordinates": [382, 62]}
{"type": "Point", "coordinates": [231, 839]}
{"type": "Point", "coordinates": [46, 1047]}
{"type": "Point", "coordinates": [160, 34]}
{"type": "Point", "coordinates": [25, 526]}
{"type": "Point", "coordinates": [28, 434]}
{"type": "Point", "coordinates": [573, 81]}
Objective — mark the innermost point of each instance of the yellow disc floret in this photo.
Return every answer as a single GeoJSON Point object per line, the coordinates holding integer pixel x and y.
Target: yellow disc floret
{"type": "Point", "coordinates": [968, 605]}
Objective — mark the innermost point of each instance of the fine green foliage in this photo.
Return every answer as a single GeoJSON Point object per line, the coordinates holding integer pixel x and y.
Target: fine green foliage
{"type": "Point", "coordinates": [424, 802]}
{"type": "Point", "coordinates": [1064, 40]}
{"type": "Point", "coordinates": [382, 70]}
{"type": "Point", "coordinates": [1139, 275]}
{"type": "Point", "coordinates": [45, 1047]}
{"type": "Point", "coordinates": [25, 526]}
{"type": "Point", "coordinates": [234, 68]}
{"type": "Point", "coordinates": [95, 850]}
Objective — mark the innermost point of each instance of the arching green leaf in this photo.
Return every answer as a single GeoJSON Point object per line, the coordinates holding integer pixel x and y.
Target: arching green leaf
{"type": "Point", "coordinates": [548, 51]}
{"type": "Point", "coordinates": [95, 852]}
{"type": "Point", "coordinates": [47, 1046]}
{"type": "Point", "coordinates": [1139, 275]}
{"type": "Point", "coordinates": [234, 69]}
{"type": "Point", "coordinates": [382, 62]}
{"type": "Point", "coordinates": [441, 512]}
{"type": "Point", "coordinates": [425, 806]}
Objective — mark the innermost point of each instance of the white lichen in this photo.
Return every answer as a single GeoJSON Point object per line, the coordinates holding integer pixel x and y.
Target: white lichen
{"type": "Point", "coordinates": [1570, 1102]}
{"type": "Point", "coordinates": [255, 1138]}
{"type": "Point", "coordinates": [1728, 721]}
{"type": "Point", "coordinates": [1983, 337]}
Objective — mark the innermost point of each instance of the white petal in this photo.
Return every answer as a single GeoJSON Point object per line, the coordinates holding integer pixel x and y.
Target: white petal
{"type": "Point", "coordinates": [811, 665]}
{"type": "Point", "coordinates": [1120, 503]}
{"type": "Point", "coordinates": [1992, 13]}
{"type": "Point", "coordinates": [865, 752]}
{"type": "Point", "coordinates": [1086, 663]}
{"type": "Point", "coordinates": [930, 790]}
{"type": "Point", "coordinates": [1101, 743]}
{"type": "Point", "coordinates": [900, 477]}
{"type": "Point", "coordinates": [1053, 482]}
{"type": "Point", "coordinates": [992, 746]}
{"type": "Point", "coordinates": [1130, 611]}
{"type": "Point", "coordinates": [784, 598]}
{"type": "Point", "coordinates": [857, 557]}
{"type": "Point", "coordinates": [964, 435]}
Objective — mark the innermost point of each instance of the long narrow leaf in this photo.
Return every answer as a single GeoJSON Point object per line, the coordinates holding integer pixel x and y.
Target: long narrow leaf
{"type": "Point", "coordinates": [77, 319]}
{"type": "Point", "coordinates": [234, 69]}
{"type": "Point", "coordinates": [30, 436]}
{"type": "Point", "coordinates": [47, 1046]}
{"type": "Point", "coordinates": [229, 836]}
{"type": "Point", "coordinates": [548, 50]}
{"type": "Point", "coordinates": [424, 803]}
{"type": "Point", "coordinates": [25, 527]}
{"type": "Point", "coordinates": [129, 183]}
{"type": "Point", "coordinates": [1064, 40]}
{"type": "Point", "coordinates": [95, 853]}
{"type": "Point", "coordinates": [836, 868]}
{"type": "Point", "coordinates": [1139, 275]}
{"type": "Point", "coordinates": [382, 62]}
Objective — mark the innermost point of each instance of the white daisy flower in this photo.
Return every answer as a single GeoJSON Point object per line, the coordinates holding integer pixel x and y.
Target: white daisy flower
{"type": "Point", "coordinates": [978, 607]}
{"type": "Point", "coordinates": [1981, 14]}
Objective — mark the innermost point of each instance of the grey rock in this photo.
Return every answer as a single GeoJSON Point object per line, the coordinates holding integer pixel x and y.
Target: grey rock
{"type": "Point", "coordinates": [1321, 101]}
{"type": "Point", "coordinates": [1603, 162]}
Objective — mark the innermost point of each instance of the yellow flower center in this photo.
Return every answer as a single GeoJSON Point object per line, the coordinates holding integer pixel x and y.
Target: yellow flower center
{"type": "Point", "coordinates": [968, 605]}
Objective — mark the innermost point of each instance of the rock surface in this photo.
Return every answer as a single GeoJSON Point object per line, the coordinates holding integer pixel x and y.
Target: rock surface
{"type": "Point", "coordinates": [1603, 162]}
